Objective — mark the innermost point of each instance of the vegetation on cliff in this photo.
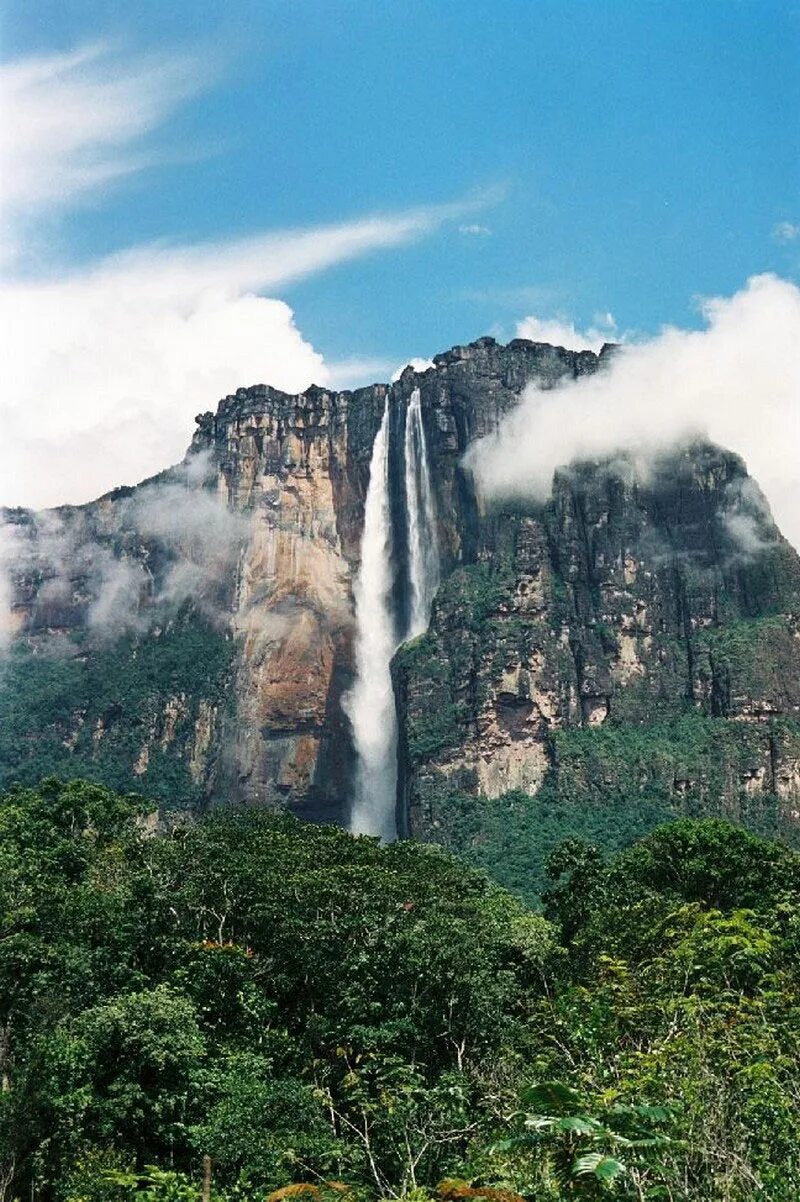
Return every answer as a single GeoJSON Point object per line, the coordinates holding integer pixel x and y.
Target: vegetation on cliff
{"type": "Point", "coordinates": [113, 710]}
{"type": "Point", "coordinates": [305, 1007]}
{"type": "Point", "coordinates": [618, 657]}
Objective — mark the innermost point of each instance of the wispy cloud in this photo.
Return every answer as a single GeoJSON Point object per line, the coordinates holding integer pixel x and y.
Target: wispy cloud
{"type": "Point", "coordinates": [105, 365]}
{"type": "Point", "coordinates": [72, 123]}
{"type": "Point", "coordinates": [786, 231]}
{"type": "Point", "coordinates": [274, 259]}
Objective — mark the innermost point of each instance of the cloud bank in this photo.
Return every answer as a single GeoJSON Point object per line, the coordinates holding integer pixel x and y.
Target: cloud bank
{"type": "Point", "coordinates": [105, 366]}
{"type": "Point", "coordinates": [104, 369]}
{"type": "Point", "coordinates": [736, 382]}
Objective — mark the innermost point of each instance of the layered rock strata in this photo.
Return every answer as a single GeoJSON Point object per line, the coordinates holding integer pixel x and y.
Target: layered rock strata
{"type": "Point", "coordinates": [193, 637]}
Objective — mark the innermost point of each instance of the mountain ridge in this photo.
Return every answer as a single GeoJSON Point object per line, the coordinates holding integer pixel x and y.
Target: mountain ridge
{"type": "Point", "coordinates": [236, 569]}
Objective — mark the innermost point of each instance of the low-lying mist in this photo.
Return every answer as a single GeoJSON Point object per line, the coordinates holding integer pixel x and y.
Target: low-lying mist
{"type": "Point", "coordinates": [736, 382]}
{"type": "Point", "coordinates": [113, 567]}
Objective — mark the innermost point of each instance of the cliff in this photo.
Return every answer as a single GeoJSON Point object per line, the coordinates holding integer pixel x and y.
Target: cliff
{"type": "Point", "coordinates": [192, 637]}
{"type": "Point", "coordinates": [627, 648]}
{"type": "Point", "coordinates": [625, 653]}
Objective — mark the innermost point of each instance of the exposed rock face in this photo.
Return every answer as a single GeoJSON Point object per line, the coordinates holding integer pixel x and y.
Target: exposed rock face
{"type": "Point", "coordinates": [616, 647]}
{"type": "Point", "coordinates": [295, 466]}
{"type": "Point", "coordinates": [300, 467]}
{"type": "Point", "coordinates": [192, 638]}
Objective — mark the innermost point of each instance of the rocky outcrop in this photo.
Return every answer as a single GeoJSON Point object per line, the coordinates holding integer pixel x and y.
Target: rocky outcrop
{"type": "Point", "coordinates": [296, 467]}
{"type": "Point", "coordinates": [192, 638]}
{"type": "Point", "coordinates": [622, 645]}
{"type": "Point", "coordinates": [299, 466]}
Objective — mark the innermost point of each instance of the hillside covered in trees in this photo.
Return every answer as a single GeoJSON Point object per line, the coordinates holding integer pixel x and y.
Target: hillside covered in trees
{"type": "Point", "coordinates": [309, 1009]}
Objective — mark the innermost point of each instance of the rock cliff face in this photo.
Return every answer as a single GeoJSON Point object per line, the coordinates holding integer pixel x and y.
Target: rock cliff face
{"type": "Point", "coordinates": [629, 647]}
{"type": "Point", "coordinates": [627, 652]}
{"type": "Point", "coordinates": [192, 637]}
{"type": "Point", "coordinates": [299, 465]}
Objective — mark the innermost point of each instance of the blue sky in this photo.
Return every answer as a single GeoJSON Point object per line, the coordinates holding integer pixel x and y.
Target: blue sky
{"type": "Point", "coordinates": [646, 150]}
{"type": "Point", "coordinates": [199, 195]}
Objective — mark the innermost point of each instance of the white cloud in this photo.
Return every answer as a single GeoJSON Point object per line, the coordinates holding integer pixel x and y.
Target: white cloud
{"type": "Point", "coordinates": [105, 366]}
{"type": "Point", "coordinates": [737, 381]}
{"type": "Point", "coordinates": [474, 229]}
{"type": "Point", "coordinates": [786, 231]}
{"type": "Point", "coordinates": [104, 369]}
{"type": "Point", "coordinates": [560, 331]}
{"type": "Point", "coordinates": [72, 122]}
{"type": "Point", "coordinates": [417, 364]}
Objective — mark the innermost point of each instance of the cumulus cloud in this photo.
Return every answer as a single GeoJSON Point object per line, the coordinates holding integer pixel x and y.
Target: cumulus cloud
{"type": "Point", "coordinates": [560, 331]}
{"type": "Point", "coordinates": [105, 368]}
{"type": "Point", "coordinates": [737, 382]}
{"type": "Point", "coordinates": [105, 365]}
{"type": "Point", "coordinates": [102, 380]}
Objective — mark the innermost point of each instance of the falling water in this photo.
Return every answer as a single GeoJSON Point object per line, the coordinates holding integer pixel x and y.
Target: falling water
{"type": "Point", "coordinates": [370, 703]}
{"type": "Point", "coordinates": [423, 551]}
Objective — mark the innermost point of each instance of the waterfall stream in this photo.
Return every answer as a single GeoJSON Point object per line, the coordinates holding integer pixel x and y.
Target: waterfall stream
{"type": "Point", "coordinates": [423, 552]}
{"type": "Point", "coordinates": [370, 703]}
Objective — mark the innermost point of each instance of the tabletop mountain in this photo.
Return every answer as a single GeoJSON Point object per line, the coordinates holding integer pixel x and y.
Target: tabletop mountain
{"type": "Point", "coordinates": [626, 651]}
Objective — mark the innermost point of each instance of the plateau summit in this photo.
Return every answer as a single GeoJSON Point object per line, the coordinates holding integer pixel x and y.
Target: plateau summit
{"type": "Point", "coordinates": [320, 610]}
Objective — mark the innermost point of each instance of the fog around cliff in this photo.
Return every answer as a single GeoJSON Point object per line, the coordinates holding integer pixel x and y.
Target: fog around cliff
{"type": "Point", "coordinates": [737, 381]}
{"type": "Point", "coordinates": [562, 331]}
{"type": "Point", "coordinates": [102, 562]}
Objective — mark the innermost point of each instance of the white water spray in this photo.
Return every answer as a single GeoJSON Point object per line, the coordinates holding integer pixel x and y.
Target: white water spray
{"type": "Point", "coordinates": [423, 549]}
{"type": "Point", "coordinates": [370, 703]}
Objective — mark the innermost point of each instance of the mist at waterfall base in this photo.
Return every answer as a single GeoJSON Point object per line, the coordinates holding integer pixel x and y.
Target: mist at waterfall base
{"type": "Point", "coordinates": [380, 628]}
{"type": "Point", "coordinates": [736, 382]}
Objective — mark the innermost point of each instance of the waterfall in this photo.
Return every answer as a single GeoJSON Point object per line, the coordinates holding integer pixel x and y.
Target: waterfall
{"type": "Point", "coordinates": [370, 703]}
{"type": "Point", "coordinates": [423, 551]}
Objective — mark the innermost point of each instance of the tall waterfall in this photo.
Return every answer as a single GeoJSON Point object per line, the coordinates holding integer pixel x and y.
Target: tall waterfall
{"type": "Point", "coordinates": [370, 703]}
{"type": "Point", "coordinates": [423, 551]}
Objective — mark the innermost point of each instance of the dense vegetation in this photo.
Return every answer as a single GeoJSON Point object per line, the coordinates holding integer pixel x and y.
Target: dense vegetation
{"type": "Point", "coordinates": [613, 785]}
{"type": "Point", "coordinates": [86, 707]}
{"type": "Point", "coordinates": [305, 1007]}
